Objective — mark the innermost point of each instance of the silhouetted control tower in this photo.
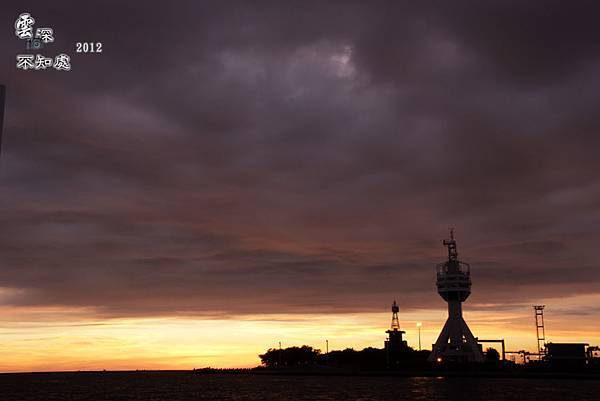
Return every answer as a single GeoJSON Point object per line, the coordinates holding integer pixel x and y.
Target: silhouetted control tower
{"type": "Point", "coordinates": [456, 342]}
{"type": "Point", "coordinates": [394, 345]}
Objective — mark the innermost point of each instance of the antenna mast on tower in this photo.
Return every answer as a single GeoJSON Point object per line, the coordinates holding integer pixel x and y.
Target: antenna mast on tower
{"type": "Point", "coordinates": [395, 322]}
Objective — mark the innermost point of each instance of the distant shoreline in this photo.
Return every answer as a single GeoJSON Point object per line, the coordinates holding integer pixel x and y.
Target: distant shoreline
{"type": "Point", "coordinates": [338, 372]}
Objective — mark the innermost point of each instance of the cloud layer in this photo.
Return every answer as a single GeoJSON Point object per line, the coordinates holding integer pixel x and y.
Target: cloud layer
{"type": "Point", "coordinates": [301, 156]}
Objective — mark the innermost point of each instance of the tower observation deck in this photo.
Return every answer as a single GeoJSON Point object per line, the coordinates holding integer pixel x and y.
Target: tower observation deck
{"type": "Point", "coordinates": [455, 343]}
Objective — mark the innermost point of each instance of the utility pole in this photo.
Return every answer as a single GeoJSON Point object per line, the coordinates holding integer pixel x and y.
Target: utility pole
{"type": "Point", "coordinates": [279, 364]}
{"type": "Point", "coordinates": [419, 324]}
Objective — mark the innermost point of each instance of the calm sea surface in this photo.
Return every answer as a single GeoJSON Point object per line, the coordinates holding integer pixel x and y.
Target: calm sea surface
{"type": "Point", "coordinates": [154, 386]}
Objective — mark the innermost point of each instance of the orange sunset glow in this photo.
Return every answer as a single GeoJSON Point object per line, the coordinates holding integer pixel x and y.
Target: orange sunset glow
{"type": "Point", "coordinates": [61, 339]}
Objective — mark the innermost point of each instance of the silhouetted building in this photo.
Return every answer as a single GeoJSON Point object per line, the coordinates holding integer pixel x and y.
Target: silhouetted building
{"type": "Point", "coordinates": [593, 356]}
{"type": "Point", "coordinates": [567, 355]}
{"type": "Point", "coordinates": [395, 346]}
{"type": "Point", "coordinates": [455, 343]}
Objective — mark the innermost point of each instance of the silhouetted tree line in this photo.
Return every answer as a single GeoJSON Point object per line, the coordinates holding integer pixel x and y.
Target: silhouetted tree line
{"type": "Point", "coordinates": [366, 359]}
{"type": "Point", "coordinates": [291, 356]}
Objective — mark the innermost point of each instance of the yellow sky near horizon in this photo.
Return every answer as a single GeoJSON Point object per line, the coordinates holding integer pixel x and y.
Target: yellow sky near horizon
{"type": "Point", "coordinates": [52, 339]}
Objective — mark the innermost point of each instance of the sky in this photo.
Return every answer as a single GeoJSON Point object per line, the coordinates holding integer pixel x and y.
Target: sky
{"type": "Point", "coordinates": [226, 175]}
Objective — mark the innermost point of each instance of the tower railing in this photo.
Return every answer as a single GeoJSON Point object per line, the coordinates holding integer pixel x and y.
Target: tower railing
{"type": "Point", "coordinates": [442, 269]}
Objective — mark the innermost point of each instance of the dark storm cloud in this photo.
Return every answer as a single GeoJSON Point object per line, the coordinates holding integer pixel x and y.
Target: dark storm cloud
{"type": "Point", "coordinates": [301, 156]}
